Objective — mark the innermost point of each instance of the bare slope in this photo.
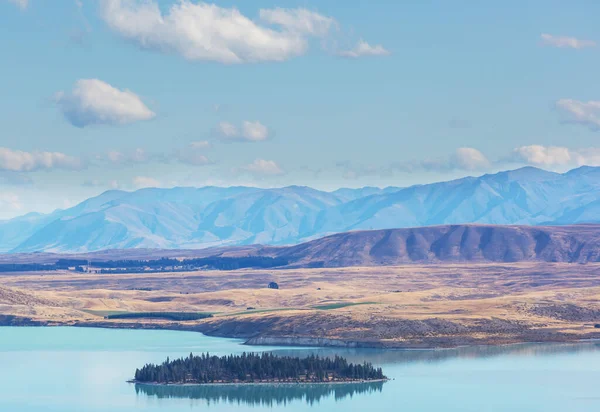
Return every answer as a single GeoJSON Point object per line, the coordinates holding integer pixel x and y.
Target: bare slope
{"type": "Point", "coordinates": [452, 243]}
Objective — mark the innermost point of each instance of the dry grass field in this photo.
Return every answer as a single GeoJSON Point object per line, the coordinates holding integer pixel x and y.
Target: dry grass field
{"type": "Point", "coordinates": [440, 305]}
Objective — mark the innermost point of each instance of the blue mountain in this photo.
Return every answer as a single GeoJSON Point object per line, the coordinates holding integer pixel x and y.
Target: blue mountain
{"type": "Point", "coordinates": [214, 216]}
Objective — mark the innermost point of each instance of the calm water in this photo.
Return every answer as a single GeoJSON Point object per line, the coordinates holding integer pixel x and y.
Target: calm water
{"type": "Point", "coordinates": [76, 370]}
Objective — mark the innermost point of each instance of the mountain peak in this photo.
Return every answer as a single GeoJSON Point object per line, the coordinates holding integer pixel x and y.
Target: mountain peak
{"type": "Point", "coordinates": [194, 218]}
{"type": "Point", "coordinates": [528, 173]}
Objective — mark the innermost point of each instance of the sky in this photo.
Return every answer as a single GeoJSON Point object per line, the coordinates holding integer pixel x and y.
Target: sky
{"type": "Point", "coordinates": [124, 94]}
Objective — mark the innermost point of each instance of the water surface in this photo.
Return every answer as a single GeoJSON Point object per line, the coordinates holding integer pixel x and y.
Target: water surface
{"type": "Point", "coordinates": [76, 369]}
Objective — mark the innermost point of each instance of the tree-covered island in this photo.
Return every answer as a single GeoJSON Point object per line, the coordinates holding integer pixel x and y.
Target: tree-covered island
{"type": "Point", "coordinates": [256, 368]}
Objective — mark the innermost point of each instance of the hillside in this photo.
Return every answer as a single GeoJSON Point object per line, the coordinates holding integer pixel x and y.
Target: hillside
{"type": "Point", "coordinates": [448, 244]}
{"type": "Point", "coordinates": [445, 244]}
{"type": "Point", "coordinates": [194, 218]}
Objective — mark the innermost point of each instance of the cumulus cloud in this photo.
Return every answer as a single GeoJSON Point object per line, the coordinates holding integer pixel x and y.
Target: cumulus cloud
{"type": "Point", "coordinates": [300, 21]}
{"type": "Point", "coordinates": [553, 156]}
{"type": "Point", "coordinates": [255, 131]}
{"type": "Point", "coordinates": [203, 31]}
{"type": "Point", "coordinates": [201, 145]}
{"type": "Point", "coordinates": [363, 48]}
{"type": "Point", "coordinates": [22, 4]}
{"type": "Point", "coordinates": [248, 132]}
{"type": "Point", "coordinates": [227, 130]}
{"type": "Point", "coordinates": [20, 161]}
{"type": "Point", "coordinates": [137, 155]}
{"type": "Point", "coordinates": [585, 113]}
{"type": "Point", "coordinates": [464, 158]}
{"type": "Point", "coordinates": [112, 184]}
{"type": "Point", "coordinates": [467, 158]}
{"type": "Point", "coordinates": [566, 42]}
{"type": "Point", "coordinates": [94, 102]}
{"type": "Point", "coordinates": [144, 181]}
{"type": "Point", "coordinates": [261, 167]}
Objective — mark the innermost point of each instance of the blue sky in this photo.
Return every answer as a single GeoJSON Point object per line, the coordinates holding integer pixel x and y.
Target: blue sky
{"type": "Point", "coordinates": [103, 94]}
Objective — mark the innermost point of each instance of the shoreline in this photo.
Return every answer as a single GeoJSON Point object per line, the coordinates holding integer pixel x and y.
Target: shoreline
{"type": "Point", "coordinates": [299, 383]}
{"type": "Point", "coordinates": [436, 343]}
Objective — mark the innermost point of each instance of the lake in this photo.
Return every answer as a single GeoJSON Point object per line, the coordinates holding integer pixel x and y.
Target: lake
{"type": "Point", "coordinates": [80, 369]}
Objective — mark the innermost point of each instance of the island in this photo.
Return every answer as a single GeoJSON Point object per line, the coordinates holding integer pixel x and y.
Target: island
{"type": "Point", "coordinates": [256, 368]}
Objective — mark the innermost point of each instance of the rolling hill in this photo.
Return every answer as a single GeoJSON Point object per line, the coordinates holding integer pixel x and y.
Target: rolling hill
{"type": "Point", "coordinates": [447, 244]}
{"type": "Point", "coordinates": [193, 218]}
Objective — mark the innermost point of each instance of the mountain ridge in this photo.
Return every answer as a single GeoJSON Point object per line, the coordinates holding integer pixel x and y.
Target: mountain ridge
{"type": "Point", "coordinates": [471, 243]}
{"type": "Point", "coordinates": [194, 218]}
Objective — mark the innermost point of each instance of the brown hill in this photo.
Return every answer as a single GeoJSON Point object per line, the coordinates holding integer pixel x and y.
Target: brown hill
{"type": "Point", "coordinates": [452, 243]}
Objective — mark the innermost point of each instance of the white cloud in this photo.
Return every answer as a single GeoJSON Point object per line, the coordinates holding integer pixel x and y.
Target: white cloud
{"type": "Point", "coordinates": [201, 145]}
{"type": "Point", "coordinates": [301, 21]}
{"type": "Point", "coordinates": [467, 158]}
{"type": "Point", "coordinates": [585, 113]}
{"type": "Point", "coordinates": [566, 42]}
{"type": "Point", "coordinates": [94, 102]}
{"type": "Point", "coordinates": [20, 161]}
{"type": "Point", "coordinates": [255, 131]}
{"type": "Point", "coordinates": [203, 31]}
{"type": "Point", "coordinates": [249, 132]}
{"type": "Point", "coordinates": [112, 184]}
{"type": "Point", "coordinates": [464, 158]}
{"type": "Point", "coordinates": [23, 4]}
{"type": "Point", "coordinates": [363, 48]}
{"type": "Point", "coordinates": [145, 181]}
{"type": "Point", "coordinates": [227, 130]}
{"type": "Point", "coordinates": [138, 155]}
{"type": "Point", "coordinates": [556, 156]}
{"type": "Point", "coordinates": [261, 167]}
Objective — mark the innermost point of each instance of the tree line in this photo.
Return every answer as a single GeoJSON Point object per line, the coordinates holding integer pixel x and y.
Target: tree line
{"type": "Point", "coordinates": [250, 367]}
{"type": "Point", "coordinates": [175, 316]}
{"type": "Point", "coordinates": [163, 264]}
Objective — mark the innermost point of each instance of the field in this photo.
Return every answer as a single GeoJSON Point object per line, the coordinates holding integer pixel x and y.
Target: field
{"type": "Point", "coordinates": [439, 305]}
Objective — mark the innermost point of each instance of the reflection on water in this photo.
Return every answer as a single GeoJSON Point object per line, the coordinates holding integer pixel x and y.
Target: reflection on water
{"type": "Point", "coordinates": [280, 395]}
{"type": "Point", "coordinates": [261, 395]}
{"type": "Point", "coordinates": [381, 357]}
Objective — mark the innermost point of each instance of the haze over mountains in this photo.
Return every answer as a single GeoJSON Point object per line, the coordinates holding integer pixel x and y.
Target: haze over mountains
{"type": "Point", "coordinates": [192, 218]}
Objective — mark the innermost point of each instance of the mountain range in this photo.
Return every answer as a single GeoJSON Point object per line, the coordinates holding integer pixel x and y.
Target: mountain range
{"type": "Point", "coordinates": [192, 218]}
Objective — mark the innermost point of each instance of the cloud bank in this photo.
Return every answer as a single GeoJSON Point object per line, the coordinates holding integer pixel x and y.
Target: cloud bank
{"type": "Point", "coordinates": [20, 161]}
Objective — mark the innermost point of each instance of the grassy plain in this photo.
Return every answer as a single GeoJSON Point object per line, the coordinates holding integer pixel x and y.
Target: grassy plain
{"type": "Point", "coordinates": [400, 306]}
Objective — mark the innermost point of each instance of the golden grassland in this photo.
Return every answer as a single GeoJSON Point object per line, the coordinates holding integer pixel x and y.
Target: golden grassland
{"type": "Point", "coordinates": [402, 306]}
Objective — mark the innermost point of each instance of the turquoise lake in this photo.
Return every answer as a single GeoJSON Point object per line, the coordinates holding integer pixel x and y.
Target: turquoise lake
{"type": "Point", "coordinates": [77, 369]}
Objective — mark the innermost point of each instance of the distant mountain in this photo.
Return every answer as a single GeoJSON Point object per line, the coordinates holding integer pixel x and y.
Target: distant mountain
{"type": "Point", "coordinates": [192, 218]}
{"type": "Point", "coordinates": [446, 244]}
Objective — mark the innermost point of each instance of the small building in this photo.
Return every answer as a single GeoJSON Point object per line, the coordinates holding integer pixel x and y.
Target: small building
{"type": "Point", "coordinates": [273, 285]}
